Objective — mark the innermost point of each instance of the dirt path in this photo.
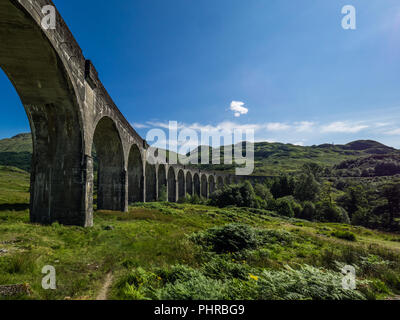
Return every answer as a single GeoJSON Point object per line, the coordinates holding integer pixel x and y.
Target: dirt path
{"type": "Point", "coordinates": [106, 286]}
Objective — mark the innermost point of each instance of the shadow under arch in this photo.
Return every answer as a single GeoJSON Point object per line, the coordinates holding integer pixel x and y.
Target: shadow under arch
{"type": "Point", "coordinates": [211, 185]}
{"type": "Point", "coordinates": [61, 174]}
{"type": "Point", "coordinates": [181, 185]}
{"type": "Point", "coordinates": [196, 184]}
{"type": "Point", "coordinates": [151, 182]}
{"type": "Point", "coordinates": [171, 185]}
{"type": "Point", "coordinates": [135, 175]}
{"type": "Point", "coordinates": [111, 172]}
{"type": "Point", "coordinates": [189, 183]}
{"type": "Point", "coordinates": [204, 186]}
{"type": "Point", "coordinates": [227, 181]}
{"type": "Point", "coordinates": [162, 183]}
{"type": "Point", "coordinates": [220, 182]}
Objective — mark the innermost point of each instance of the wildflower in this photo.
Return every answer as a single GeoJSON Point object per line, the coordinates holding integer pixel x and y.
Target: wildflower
{"type": "Point", "coordinates": [253, 277]}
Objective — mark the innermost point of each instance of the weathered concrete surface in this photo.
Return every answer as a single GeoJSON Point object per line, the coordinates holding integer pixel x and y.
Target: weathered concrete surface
{"type": "Point", "coordinates": [71, 114]}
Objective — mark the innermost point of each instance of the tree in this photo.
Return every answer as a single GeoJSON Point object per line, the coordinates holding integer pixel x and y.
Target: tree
{"type": "Point", "coordinates": [248, 195]}
{"type": "Point", "coordinates": [330, 212]}
{"type": "Point", "coordinates": [392, 195]}
{"type": "Point", "coordinates": [282, 186]}
{"type": "Point", "coordinates": [308, 212]}
{"type": "Point", "coordinates": [314, 169]}
{"type": "Point", "coordinates": [306, 188]}
{"type": "Point", "coordinates": [263, 192]}
{"type": "Point", "coordinates": [354, 199]}
{"type": "Point", "coordinates": [284, 207]}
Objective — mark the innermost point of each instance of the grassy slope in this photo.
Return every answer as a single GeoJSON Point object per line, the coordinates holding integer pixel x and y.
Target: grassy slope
{"type": "Point", "coordinates": [155, 235]}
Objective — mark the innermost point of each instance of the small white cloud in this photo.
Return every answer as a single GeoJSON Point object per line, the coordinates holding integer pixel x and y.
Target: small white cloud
{"type": "Point", "coordinates": [304, 126]}
{"type": "Point", "coordinates": [343, 127]}
{"type": "Point", "coordinates": [394, 132]}
{"type": "Point", "coordinates": [277, 126]}
{"type": "Point", "coordinates": [140, 125]}
{"type": "Point", "coordinates": [163, 125]}
{"type": "Point", "coordinates": [382, 124]}
{"type": "Point", "coordinates": [238, 108]}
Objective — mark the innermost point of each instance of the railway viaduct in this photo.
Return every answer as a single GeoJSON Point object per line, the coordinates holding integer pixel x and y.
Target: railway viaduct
{"type": "Point", "coordinates": [70, 113]}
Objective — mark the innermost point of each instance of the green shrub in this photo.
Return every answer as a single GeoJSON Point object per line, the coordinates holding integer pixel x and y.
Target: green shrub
{"type": "Point", "coordinates": [237, 237]}
{"type": "Point", "coordinates": [345, 235]}
{"type": "Point", "coordinates": [308, 212]}
{"type": "Point", "coordinates": [242, 195]}
{"type": "Point", "coordinates": [304, 283]}
{"type": "Point", "coordinates": [136, 285]}
{"type": "Point", "coordinates": [263, 192]}
{"type": "Point", "coordinates": [284, 207]}
{"type": "Point", "coordinates": [220, 268]}
{"type": "Point", "coordinates": [230, 238]}
{"type": "Point", "coordinates": [330, 212]}
{"type": "Point", "coordinates": [199, 287]}
{"type": "Point", "coordinates": [19, 263]}
{"type": "Point", "coordinates": [177, 273]}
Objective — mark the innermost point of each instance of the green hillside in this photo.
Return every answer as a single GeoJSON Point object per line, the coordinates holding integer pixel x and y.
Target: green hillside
{"type": "Point", "coordinates": [273, 158]}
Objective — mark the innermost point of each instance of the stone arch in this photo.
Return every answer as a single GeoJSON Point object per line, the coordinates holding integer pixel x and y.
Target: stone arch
{"type": "Point", "coordinates": [111, 173]}
{"type": "Point", "coordinates": [181, 185]}
{"type": "Point", "coordinates": [204, 186]}
{"type": "Point", "coordinates": [220, 182]}
{"type": "Point", "coordinates": [151, 183]}
{"type": "Point", "coordinates": [211, 185]}
{"type": "Point", "coordinates": [171, 185]}
{"type": "Point", "coordinates": [135, 175]}
{"type": "Point", "coordinates": [61, 174]}
{"type": "Point", "coordinates": [189, 183]}
{"type": "Point", "coordinates": [227, 181]}
{"type": "Point", "coordinates": [196, 184]}
{"type": "Point", "coordinates": [162, 183]}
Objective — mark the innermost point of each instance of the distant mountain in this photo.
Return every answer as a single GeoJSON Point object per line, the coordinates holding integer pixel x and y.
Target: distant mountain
{"type": "Point", "coordinates": [269, 158]}
{"type": "Point", "coordinates": [19, 143]}
{"type": "Point", "coordinates": [272, 158]}
{"type": "Point", "coordinates": [17, 151]}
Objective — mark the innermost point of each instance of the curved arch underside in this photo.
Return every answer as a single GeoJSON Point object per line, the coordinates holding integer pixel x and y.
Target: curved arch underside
{"type": "Point", "coordinates": [111, 174]}
{"type": "Point", "coordinates": [151, 183]}
{"type": "Point", "coordinates": [181, 185]}
{"type": "Point", "coordinates": [171, 185]}
{"type": "Point", "coordinates": [204, 186]}
{"type": "Point", "coordinates": [196, 185]}
{"type": "Point", "coordinates": [220, 182]}
{"type": "Point", "coordinates": [162, 183]}
{"type": "Point", "coordinates": [189, 184]}
{"type": "Point", "coordinates": [135, 176]}
{"type": "Point", "coordinates": [211, 185]}
{"type": "Point", "coordinates": [31, 63]}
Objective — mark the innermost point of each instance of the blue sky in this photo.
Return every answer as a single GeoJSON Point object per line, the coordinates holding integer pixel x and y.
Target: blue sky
{"type": "Point", "coordinates": [302, 78]}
